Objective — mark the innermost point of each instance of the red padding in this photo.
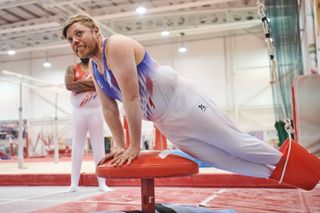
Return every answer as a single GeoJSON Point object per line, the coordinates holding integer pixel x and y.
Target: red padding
{"type": "Point", "coordinates": [302, 170]}
{"type": "Point", "coordinates": [149, 165]}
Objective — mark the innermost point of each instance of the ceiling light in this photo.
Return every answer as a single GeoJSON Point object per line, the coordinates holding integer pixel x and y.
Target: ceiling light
{"type": "Point", "coordinates": [141, 10]}
{"type": "Point", "coordinates": [165, 33]}
{"type": "Point", "coordinates": [268, 39]}
{"type": "Point", "coordinates": [11, 52]}
{"type": "Point", "coordinates": [182, 48]}
{"type": "Point", "coordinates": [46, 64]}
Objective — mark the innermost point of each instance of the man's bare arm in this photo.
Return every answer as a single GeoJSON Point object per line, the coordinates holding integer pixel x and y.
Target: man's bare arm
{"type": "Point", "coordinates": [111, 115]}
{"type": "Point", "coordinates": [123, 64]}
{"type": "Point", "coordinates": [77, 86]}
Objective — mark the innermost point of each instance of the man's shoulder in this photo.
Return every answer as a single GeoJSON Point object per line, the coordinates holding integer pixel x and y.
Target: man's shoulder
{"type": "Point", "coordinates": [119, 40]}
{"type": "Point", "coordinates": [117, 36]}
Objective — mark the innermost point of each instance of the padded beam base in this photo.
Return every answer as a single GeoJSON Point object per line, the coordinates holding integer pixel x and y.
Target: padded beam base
{"type": "Point", "coordinates": [147, 195]}
{"type": "Point", "coordinates": [147, 166]}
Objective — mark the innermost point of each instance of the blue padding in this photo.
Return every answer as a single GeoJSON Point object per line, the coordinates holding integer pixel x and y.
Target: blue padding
{"type": "Point", "coordinates": [199, 162]}
{"type": "Point", "coordinates": [178, 209]}
{"type": "Point", "coordinates": [195, 209]}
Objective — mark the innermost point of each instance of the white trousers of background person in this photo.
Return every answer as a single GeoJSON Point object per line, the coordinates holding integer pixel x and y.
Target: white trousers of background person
{"type": "Point", "coordinates": [86, 120]}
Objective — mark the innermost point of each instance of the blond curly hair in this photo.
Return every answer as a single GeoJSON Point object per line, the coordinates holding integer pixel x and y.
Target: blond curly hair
{"type": "Point", "coordinates": [84, 19]}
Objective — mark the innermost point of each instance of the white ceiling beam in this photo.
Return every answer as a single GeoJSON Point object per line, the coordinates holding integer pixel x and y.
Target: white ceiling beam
{"type": "Point", "coordinates": [33, 33]}
{"type": "Point", "coordinates": [64, 10]}
{"type": "Point", "coordinates": [151, 36]}
{"type": "Point", "coordinates": [54, 3]}
{"type": "Point", "coordinates": [30, 22]}
{"type": "Point", "coordinates": [204, 29]}
{"type": "Point", "coordinates": [30, 27]}
{"type": "Point", "coordinates": [16, 3]}
{"type": "Point", "coordinates": [162, 9]}
{"type": "Point", "coordinates": [55, 45]}
{"type": "Point", "coordinates": [184, 13]}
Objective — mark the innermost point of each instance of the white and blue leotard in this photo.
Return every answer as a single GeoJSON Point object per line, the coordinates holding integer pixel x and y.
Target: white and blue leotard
{"type": "Point", "coordinates": [154, 97]}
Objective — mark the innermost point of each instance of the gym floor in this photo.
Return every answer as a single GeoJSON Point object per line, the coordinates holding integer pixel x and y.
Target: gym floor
{"type": "Point", "coordinates": [42, 185]}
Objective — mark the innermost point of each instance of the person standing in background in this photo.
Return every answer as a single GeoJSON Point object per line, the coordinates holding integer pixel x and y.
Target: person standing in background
{"type": "Point", "coordinates": [86, 116]}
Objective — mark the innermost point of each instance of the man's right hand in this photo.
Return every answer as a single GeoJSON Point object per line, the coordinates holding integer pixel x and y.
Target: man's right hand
{"type": "Point", "coordinates": [105, 158]}
{"type": "Point", "coordinates": [113, 154]}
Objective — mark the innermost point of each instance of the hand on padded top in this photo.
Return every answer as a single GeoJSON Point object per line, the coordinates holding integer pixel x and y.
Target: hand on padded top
{"type": "Point", "coordinates": [128, 156]}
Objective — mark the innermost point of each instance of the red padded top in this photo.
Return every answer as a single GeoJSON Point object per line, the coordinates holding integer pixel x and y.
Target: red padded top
{"type": "Point", "coordinates": [149, 165]}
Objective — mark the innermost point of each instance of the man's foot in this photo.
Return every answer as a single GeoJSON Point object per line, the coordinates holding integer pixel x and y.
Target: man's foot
{"type": "Point", "coordinates": [72, 188]}
{"type": "Point", "coordinates": [105, 188]}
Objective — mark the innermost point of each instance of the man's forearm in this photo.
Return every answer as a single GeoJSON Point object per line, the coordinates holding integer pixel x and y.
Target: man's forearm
{"type": "Point", "coordinates": [133, 114]}
{"type": "Point", "coordinates": [81, 86]}
{"type": "Point", "coordinates": [113, 120]}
